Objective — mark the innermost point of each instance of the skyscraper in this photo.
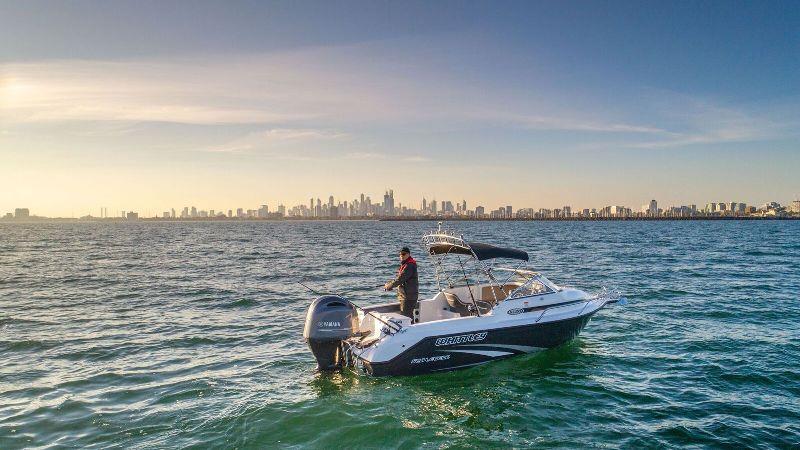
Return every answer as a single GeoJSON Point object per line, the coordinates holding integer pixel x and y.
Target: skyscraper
{"type": "Point", "coordinates": [447, 206]}
{"type": "Point", "coordinates": [388, 203]}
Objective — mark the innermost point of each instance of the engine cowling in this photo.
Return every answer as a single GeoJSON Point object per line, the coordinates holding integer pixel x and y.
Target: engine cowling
{"type": "Point", "coordinates": [330, 320]}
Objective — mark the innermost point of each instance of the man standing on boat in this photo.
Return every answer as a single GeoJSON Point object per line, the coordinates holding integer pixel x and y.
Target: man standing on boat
{"type": "Point", "coordinates": [406, 282]}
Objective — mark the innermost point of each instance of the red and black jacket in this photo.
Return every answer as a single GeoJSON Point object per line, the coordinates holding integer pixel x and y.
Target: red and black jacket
{"type": "Point", "coordinates": [407, 280]}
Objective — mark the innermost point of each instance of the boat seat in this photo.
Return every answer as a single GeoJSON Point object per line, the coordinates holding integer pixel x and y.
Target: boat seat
{"type": "Point", "coordinates": [456, 305]}
{"type": "Point", "coordinates": [464, 308]}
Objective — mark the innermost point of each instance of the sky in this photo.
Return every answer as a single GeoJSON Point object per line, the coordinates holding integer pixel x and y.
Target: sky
{"type": "Point", "coordinates": [151, 105]}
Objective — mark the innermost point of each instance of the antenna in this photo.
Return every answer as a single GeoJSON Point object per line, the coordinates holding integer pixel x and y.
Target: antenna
{"type": "Point", "coordinates": [312, 291]}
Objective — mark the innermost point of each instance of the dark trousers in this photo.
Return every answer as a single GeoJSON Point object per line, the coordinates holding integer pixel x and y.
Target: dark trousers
{"type": "Point", "coordinates": [407, 304]}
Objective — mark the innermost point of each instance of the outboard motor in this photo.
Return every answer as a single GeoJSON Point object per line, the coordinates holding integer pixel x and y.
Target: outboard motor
{"type": "Point", "coordinates": [330, 320]}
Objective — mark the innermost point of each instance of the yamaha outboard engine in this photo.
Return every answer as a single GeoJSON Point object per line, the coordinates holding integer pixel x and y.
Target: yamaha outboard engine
{"type": "Point", "coordinates": [330, 320]}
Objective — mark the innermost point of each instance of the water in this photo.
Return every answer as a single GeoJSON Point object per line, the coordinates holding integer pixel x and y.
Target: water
{"type": "Point", "coordinates": [142, 335]}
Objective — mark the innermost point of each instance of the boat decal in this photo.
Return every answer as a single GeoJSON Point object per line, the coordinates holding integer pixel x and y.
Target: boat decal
{"type": "Point", "coordinates": [430, 359]}
{"type": "Point", "coordinates": [473, 337]}
{"type": "Point", "coordinates": [489, 353]}
{"type": "Point", "coordinates": [461, 366]}
{"type": "Point", "coordinates": [520, 348]}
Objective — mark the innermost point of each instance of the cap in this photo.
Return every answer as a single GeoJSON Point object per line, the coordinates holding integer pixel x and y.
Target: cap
{"type": "Point", "coordinates": [405, 250]}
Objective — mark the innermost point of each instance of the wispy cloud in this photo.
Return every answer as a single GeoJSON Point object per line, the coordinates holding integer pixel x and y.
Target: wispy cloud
{"type": "Point", "coordinates": [383, 156]}
{"type": "Point", "coordinates": [275, 139]}
{"type": "Point", "coordinates": [286, 90]}
{"type": "Point", "coordinates": [417, 159]}
{"type": "Point", "coordinates": [561, 123]}
{"type": "Point", "coordinates": [309, 98]}
{"type": "Point", "coordinates": [703, 122]}
{"type": "Point", "coordinates": [364, 155]}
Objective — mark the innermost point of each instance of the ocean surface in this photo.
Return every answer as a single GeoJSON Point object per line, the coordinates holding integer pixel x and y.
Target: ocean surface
{"type": "Point", "coordinates": [176, 335]}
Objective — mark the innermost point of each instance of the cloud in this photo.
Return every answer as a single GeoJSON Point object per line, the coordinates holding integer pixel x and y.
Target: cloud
{"type": "Point", "coordinates": [365, 155]}
{"type": "Point", "coordinates": [218, 89]}
{"type": "Point", "coordinates": [275, 139]}
{"type": "Point", "coordinates": [702, 122]}
{"type": "Point", "coordinates": [321, 87]}
{"type": "Point", "coordinates": [560, 123]}
{"type": "Point", "coordinates": [315, 96]}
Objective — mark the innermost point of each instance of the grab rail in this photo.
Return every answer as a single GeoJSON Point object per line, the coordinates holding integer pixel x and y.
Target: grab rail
{"type": "Point", "coordinates": [544, 311]}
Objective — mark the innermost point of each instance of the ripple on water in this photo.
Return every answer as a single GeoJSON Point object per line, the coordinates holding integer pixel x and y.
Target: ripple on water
{"type": "Point", "coordinates": [147, 335]}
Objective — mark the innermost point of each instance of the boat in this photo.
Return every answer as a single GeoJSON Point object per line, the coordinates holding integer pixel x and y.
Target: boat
{"type": "Point", "coordinates": [481, 312]}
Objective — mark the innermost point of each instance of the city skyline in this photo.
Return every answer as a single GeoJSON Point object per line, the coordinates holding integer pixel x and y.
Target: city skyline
{"type": "Point", "coordinates": [527, 102]}
{"type": "Point", "coordinates": [386, 206]}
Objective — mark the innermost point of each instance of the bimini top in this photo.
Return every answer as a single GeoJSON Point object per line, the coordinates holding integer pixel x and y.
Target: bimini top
{"type": "Point", "coordinates": [482, 251]}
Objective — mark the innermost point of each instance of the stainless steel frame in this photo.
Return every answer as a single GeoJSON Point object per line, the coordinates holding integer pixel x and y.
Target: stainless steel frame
{"type": "Point", "coordinates": [440, 236]}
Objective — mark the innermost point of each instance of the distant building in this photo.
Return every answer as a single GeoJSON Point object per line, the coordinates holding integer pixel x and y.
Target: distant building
{"type": "Point", "coordinates": [618, 211]}
{"type": "Point", "coordinates": [480, 212]}
{"type": "Point", "coordinates": [794, 207]}
{"type": "Point", "coordinates": [22, 213]}
{"type": "Point", "coordinates": [653, 208]}
{"type": "Point", "coordinates": [525, 213]}
{"type": "Point", "coordinates": [388, 203]}
{"type": "Point", "coordinates": [770, 206]}
{"type": "Point", "coordinates": [132, 215]}
{"type": "Point", "coordinates": [509, 210]}
{"type": "Point", "coordinates": [8, 216]}
{"type": "Point", "coordinates": [447, 207]}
